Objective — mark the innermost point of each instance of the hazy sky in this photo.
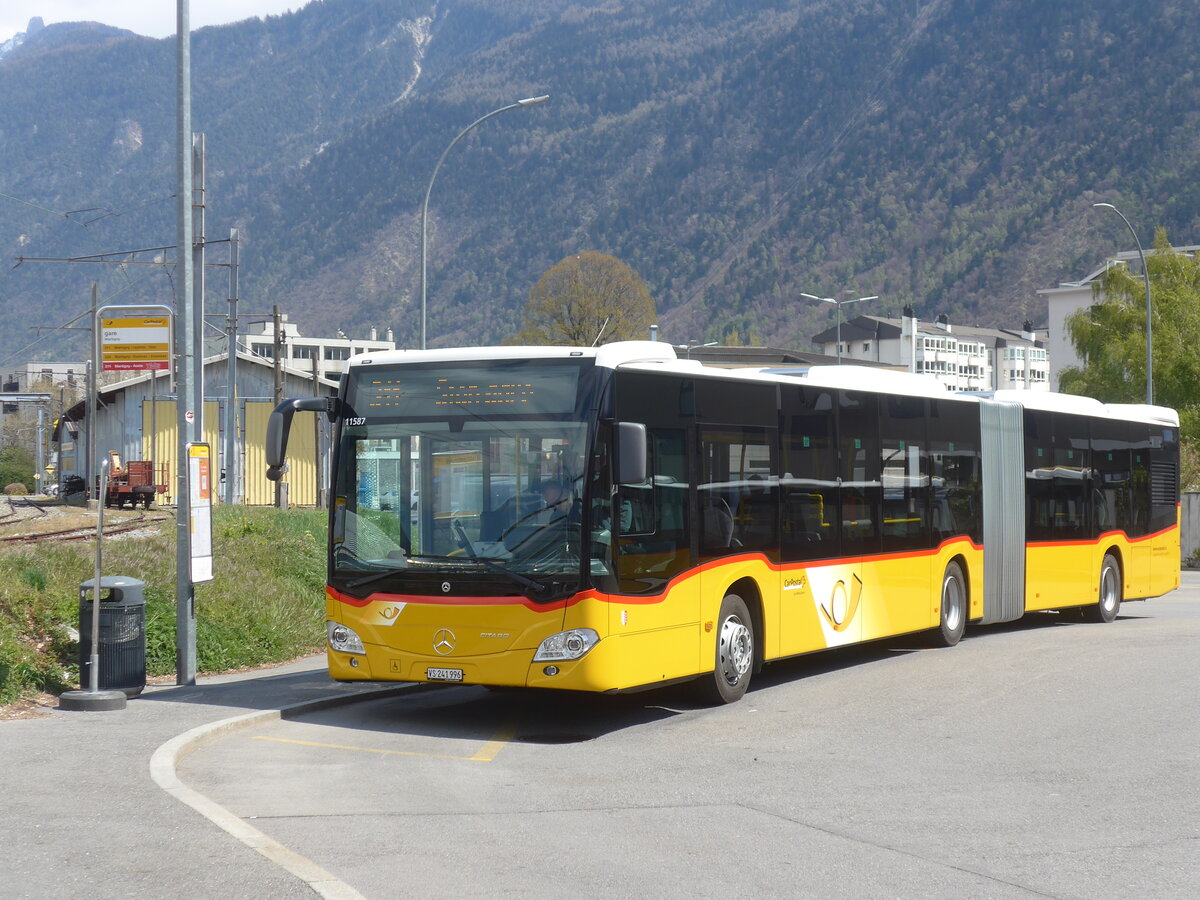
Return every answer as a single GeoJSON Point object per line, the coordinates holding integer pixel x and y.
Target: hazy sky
{"type": "Point", "coordinates": [154, 18]}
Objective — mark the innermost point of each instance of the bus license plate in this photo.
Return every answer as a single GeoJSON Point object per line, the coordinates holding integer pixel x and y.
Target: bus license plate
{"type": "Point", "coordinates": [444, 674]}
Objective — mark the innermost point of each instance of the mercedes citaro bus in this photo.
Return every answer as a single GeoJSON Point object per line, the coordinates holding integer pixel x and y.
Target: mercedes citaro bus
{"type": "Point", "coordinates": [613, 518]}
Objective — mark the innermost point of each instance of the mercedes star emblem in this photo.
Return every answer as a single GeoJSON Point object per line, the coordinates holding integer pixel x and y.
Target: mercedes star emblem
{"type": "Point", "coordinates": [443, 641]}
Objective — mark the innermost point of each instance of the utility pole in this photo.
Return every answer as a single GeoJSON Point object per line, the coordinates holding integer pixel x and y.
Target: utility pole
{"type": "Point", "coordinates": [198, 281]}
{"type": "Point", "coordinates": [93, 390]}
{"type": "Point", "coordinates": [185, 355]}
{"type": "Point", "coordinates": [277, 358]}
{"type": "Point", "coordinates": [231, 374]}
{"type": "Point", "coordinates": [316, 392]}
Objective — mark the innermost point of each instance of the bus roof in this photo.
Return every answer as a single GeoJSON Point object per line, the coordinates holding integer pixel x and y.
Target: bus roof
{"type": "Point", "coordinates": [659, 356]}
{"type": "Point", "coordinates": [607, 355]}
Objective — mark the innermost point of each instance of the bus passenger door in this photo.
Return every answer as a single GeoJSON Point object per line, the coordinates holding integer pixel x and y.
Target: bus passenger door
{"type": "Point", "coordinates": [822, 511]}
{"type": "Point", "coordinates": [846, 602]}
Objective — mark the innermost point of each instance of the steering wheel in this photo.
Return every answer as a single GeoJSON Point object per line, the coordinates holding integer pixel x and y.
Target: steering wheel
{"type": "Point", "coordinates": [524, 521]}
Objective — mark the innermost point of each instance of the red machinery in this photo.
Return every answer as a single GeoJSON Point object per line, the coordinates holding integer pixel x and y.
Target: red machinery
{"type": "Point", "coordinates": [134, 482]}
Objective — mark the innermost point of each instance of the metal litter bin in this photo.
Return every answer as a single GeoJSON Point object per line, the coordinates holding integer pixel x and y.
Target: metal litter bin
{"type": "Point", "coordinates": [122, 634]}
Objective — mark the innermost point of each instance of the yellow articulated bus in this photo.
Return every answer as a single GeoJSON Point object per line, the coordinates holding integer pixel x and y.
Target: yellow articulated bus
{"type": "Point", "coordinates": [615, 518]}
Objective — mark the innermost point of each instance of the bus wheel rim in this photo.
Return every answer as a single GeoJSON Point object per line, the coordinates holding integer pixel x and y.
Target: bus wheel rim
{"type": "Point", "coordinates": [1108, 589]}
{"type": "Point", "coordinates": [736, 648]}
{"type": "Point", "coordinates": [952, 602]}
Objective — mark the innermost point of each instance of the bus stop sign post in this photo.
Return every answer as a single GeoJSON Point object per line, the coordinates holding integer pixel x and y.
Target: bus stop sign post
{"type": "Point", "coordinates": [93, 698]}
{"type": "Point", "coordinates": [200, 511]}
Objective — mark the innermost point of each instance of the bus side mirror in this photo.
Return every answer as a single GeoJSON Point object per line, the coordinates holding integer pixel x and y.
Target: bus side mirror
{"type": "Point", "coordinates": [631, 453]}
{"type": "Point", "coordinates": [280, 423]}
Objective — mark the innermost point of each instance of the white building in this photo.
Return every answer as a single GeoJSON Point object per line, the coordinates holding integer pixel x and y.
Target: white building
{"type": "Point", "coordinates": [299, 351]}
{"type": "Point", "coordinates": [27, 376]}
{"type": "Point", "coordinates": [1071, 296]}
{"type": "Point", "coordinates": [963, 357]}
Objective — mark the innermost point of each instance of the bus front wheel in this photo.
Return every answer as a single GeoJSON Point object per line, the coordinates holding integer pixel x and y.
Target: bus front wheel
{"type": "Point", "coordinates": [954, 606]}
{"type": "Point", "coordinates": [1109, 598]}
{"type": "Point", "coordinates": [734, 658]}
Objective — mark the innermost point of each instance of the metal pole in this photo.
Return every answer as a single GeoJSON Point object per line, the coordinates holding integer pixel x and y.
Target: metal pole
{"type": "Point", "coordinates": [231, 373]}
{"type": "Point", "coordinates": [93, 386]}
{"type": "Point", "coordinates": [1149, 322]}
{"type": "Point", "coordinates": [185, 360]}
{"type": "Point", "coordinates": [41, 446]}
{"type": "Point", "coordinates": [316, 389]}
{"type": "Point", "coordinates": [277, 351]}
{"type": "Point", "coordinates": [839, 331]}
{"type": "Point", "coordinates": [198, 209]}
{"type": "Point", "coordinates": [154, 427]}
{"type": "Point", "coordinates": [838, 304]}
{"type": "Point", "coordinates": [94, 656]}
{"type": "Point", "coordinates": [94, 412]}
{"type": "Point", "coordinates": [520, 104]}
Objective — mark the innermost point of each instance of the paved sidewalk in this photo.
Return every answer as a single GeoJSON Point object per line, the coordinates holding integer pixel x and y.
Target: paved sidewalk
{"type": "Point", "coordinates": [81, 815]}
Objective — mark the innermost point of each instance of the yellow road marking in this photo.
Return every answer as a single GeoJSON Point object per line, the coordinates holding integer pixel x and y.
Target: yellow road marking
{"type": "Point", "coordinates": [489, 750]}
{"type": "Point", "coordinates": [486, 753]}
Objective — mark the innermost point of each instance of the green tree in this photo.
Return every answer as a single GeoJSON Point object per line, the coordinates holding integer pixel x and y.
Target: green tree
{"type": "Point", "coordinates": [16, 467]}
{"type": "Point", "coordinates": [1110, 338]}
{"type": "Point", "coordinates": [586, 299]}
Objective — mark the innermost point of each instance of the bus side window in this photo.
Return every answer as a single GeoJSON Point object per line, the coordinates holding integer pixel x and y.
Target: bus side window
{"type": "Point", "coordinates": [810, 515]}
{"type": "Point", "coordinates": [904, 471]}
{"type": "Point", "coordinates": [858, 454]}
{"type": "Point", "coordinates": [955, 505]}
{"type": "Point", "coordinates": [737, 489]}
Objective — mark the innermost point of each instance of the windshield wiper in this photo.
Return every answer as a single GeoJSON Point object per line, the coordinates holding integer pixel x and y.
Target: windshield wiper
{"type": "Point", "coordinates": [535, 590]}
{"type": "Point", "coordinates": [374, 576]}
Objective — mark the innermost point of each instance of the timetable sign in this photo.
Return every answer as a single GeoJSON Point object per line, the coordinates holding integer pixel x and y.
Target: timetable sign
{"type": "Point", "coordinates": [133, 342]}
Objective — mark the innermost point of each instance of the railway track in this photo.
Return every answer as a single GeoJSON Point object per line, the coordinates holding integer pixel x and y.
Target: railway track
{"type": "Point", "coordinates": [15, 514]}
{"type": "Point", "coordinates": [10, 510]}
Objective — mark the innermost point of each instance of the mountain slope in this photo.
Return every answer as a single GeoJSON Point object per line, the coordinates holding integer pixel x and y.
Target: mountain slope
{"type": "Point", "coordinates": [941, 153]}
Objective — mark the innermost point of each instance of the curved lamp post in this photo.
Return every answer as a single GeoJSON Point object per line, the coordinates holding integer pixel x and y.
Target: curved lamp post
{"type": "Point", "coordinates": [520, 104]}
{"type": "Point", "coordinates": [838, 304]}
{"type": "Point", "coordinates": [1149, 327]}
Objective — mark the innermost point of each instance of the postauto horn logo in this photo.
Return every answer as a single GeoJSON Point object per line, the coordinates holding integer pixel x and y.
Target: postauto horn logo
{"type": "Point", "coordinates": [842, 604]}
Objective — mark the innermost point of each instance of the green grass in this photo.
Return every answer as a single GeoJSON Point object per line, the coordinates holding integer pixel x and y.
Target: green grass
{"type": "Point", "coordinates": [265, 605]}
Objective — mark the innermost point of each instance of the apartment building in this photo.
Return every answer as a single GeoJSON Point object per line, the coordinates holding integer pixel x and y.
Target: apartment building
{"type": "Point", "coordinates": [963, 357]}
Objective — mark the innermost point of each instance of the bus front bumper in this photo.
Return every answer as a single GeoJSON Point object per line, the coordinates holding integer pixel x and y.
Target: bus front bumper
{"type": "Point", "coordinates": [595, 670]}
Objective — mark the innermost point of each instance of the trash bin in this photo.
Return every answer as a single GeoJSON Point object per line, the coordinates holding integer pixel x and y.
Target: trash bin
{"type": "Point", "coordinates": [122, 634]}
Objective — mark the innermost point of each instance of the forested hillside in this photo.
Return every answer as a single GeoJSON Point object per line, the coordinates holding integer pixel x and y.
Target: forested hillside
{"type": "Point", "coordinates": [941, 153]}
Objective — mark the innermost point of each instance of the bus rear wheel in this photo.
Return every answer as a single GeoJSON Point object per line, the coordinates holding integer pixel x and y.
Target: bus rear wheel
{"type": "Point", "coordinates": [1109, 596]}
{"type": "Point", "coordinates": [734, 658]}
{"type": "Point", "coordinates": [954, 606]}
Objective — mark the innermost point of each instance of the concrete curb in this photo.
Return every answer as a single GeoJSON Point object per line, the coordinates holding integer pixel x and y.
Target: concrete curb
{"type": "Point", "coordinates": [166, 758]}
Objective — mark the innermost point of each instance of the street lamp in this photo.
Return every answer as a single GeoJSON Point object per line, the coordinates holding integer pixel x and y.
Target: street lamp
{"type": "Point", "coordinates": [693, 343]}
{"type": "Point", "coordinates": [520, 104]}
{"type": "Point", "coordinates": [1149, 327]}
{"type": "Point", "coordinates": [838, 304]}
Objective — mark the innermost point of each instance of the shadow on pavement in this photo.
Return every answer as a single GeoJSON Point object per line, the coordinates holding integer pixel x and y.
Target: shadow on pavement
{"type": "Point", "coordinates": [481, 714]}
{"type": "Point", "coordinates": [538, 716]}
{"type": "Point", "coordinates": [258, 692]}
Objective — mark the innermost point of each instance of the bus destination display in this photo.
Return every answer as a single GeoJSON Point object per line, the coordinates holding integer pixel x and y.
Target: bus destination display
{"type": "Point", "coordinates": [521, 389]}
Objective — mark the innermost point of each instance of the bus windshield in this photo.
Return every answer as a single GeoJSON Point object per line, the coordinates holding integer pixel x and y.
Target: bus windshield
{"type": "Point", "coordinates": [462, 479]}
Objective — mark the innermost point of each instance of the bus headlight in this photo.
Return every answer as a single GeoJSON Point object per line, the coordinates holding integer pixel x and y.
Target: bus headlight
{"type": "Point", "coordinates": [567, 645]}
{"type": "Point", "coordinates": [343, 639]}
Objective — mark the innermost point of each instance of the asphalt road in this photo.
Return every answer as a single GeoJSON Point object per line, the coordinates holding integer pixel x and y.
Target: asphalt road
{"type": "Point", "coordinates": [1042, 758]}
